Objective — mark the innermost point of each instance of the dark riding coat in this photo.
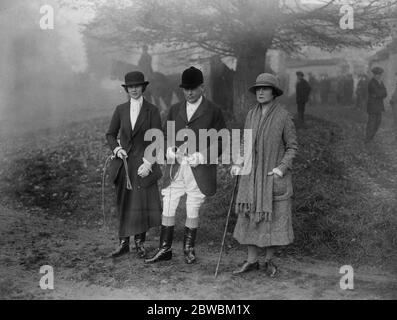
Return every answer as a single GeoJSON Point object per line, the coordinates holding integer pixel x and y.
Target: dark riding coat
{"type": "Point", "coordinates": [376, 93]}
{"type": "Point", "coordinates": [207, 116]}
{"type": "Point", "coordinates": [139, 209]}
{"type": "Point", "coordinates": [303, 90]}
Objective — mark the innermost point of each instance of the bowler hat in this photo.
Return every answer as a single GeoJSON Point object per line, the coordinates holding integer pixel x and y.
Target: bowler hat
{"type": "Point", "coordinates": [191, 78]}
{"type": "Point", "coordinates": [135, 78]}
{"type": "Point", "coordinates": [377, 70]}
{"type": "Point", "coordinates": [299, 73]}
{"type": "Point", "coordinates": [267, 80]}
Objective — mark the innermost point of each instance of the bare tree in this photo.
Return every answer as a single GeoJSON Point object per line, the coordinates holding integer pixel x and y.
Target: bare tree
{"type": "Point", "coordinates": [244, 29]}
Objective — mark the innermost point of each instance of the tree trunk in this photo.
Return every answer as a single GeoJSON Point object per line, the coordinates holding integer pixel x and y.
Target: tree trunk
{"type": "Point", "coordinates": [250, 63]}
{"type": "Point", "coordinates": [251, 51]}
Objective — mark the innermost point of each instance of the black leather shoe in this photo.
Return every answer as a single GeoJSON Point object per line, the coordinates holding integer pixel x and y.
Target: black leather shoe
{"type": "Point", "coordinates": [247, 266]}
{"type": "Point", "coordinates": [164, 251]}
{"type": "Point", "coordinates": [271, 269]}
{"type": "Point", "coordinates": [124, 248]}
{"type": "Point", "coordinates": [188, 245]}
{"type": "Point", "coordinates": [162, 254]}
{"type": "Point", "coordinates": [139, 240]}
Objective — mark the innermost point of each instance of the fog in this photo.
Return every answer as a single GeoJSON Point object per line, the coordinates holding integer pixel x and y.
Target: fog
{"type": "Point", "coordinates": [44, 80]}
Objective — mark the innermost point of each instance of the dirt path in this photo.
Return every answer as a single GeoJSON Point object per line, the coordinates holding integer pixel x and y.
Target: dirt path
{"type": "Point", "coordinates": [82, 270]}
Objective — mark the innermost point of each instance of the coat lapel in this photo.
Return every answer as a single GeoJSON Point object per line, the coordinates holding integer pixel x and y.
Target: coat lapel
{"type": "Point", "coordinates": [182, 111]}
{"type": "Point", "coordinates": [199, 112]}
{"type": "Point", "coordinates": [126, 115]}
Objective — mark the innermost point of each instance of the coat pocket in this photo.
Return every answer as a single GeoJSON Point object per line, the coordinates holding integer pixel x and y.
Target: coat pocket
{"type": "Point", "coordinates": [282, 187]}
{"type": "Point", "coordinates": [152, 178]}
{"type": "Point", "coordinates": [279, 186]}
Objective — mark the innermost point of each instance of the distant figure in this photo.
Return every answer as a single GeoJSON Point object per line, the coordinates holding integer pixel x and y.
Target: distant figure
{"type": "Point", "coordinates": [348, 89]}
{"type": "Point", "coordinates": [393, 104]}
{"type": "Point", "coordinates": [314, 85]}
{"type": "Point", "coordinates": [340, 91]}
{"type": "Point", "coordinates": [376, 94]}
{"type": "Point", "coordinates": [302, 95]}
{"type": "Point", "coordinates": [362, 92]}
{"type": "Point", "coordinates": [221, 82]}
{"type": "Point", "coordinates": [325, 87]}
{"type": "Point", "coordinates": [145, 62]}
{"type": "Point", "coordinates": [333, 90]}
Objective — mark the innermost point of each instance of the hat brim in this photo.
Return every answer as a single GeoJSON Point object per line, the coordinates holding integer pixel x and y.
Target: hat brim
{"type": "Point", "coordinates": [277, 91]}
{"type": "Point", "coordinates": [190, 85]}
{"type": "Point", "coordinates": [145, 83]}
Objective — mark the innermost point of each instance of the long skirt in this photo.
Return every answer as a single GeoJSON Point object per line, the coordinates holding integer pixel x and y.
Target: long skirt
{"type": "Point", "coordinates": [277, 232]}
{"type": "Point", "coordinates": [138, 209]}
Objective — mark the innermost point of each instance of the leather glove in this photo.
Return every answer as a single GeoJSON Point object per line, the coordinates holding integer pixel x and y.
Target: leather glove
{"type": "Point", "coordinates": [171, 153]}
{"type": "Point", "coordinates": [144, 169]}
{"type": "Point", "coordinates": [235, 170]}
{"type": "Point", "coordinates": [195, 159]}
{"type": "Point", "coordinates": [276, 171]}
{"type": "Point", "coordinates": [121, 153]}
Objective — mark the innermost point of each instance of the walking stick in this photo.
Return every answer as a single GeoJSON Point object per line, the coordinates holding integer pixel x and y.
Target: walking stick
{"type": "Point", "coordinates": [227, 222]}
{"type": "Point", "coordinates": [103, 190]}
{"type": "Point", "coordinates": [129, 186]}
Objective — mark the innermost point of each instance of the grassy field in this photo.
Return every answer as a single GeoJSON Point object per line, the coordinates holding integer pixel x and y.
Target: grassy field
{"type": "Point", "coordinates": [57, 173]}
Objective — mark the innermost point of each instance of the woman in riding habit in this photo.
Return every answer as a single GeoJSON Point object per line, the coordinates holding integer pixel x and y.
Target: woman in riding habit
{"type": "Point", "coordinates": [138, 205]}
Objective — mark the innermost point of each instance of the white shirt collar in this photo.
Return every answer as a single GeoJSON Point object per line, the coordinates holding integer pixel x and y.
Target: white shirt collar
{"type": "Point", "coordinates": [196, 104]}
{"type": "Point", "coordinates": [138, 101]}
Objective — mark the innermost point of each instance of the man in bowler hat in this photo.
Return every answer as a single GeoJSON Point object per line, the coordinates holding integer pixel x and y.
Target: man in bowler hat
{"type": "Point", "coordinates": [192, 174]}
{"type": "Point", "coordinates": [375, 106]}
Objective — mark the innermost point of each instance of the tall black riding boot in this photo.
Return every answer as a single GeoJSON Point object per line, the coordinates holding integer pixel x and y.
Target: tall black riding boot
{"type": "Point", "coordinates": [139, 244]}
{"type": "Point", "coordinates": [188, 245]}
{"type": "Point", "coordinates": [124, 248]}
{"type": "Point", "coordinates": [165, 251]}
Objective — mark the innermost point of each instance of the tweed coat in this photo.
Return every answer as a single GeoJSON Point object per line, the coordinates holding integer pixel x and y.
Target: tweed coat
{"type": "Point", "coordinates": [139, 209]}
{"type": "Point", "coordinates": [279, 230]}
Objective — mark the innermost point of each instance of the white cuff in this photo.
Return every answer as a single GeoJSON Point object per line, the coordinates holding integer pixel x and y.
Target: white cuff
{"type": "Point", "coordinates": [170, 153]}
{"type": "Point", "coordinates": [200, 156]}
{"type": "Point", "coordinates": [147, 163]}
{"type": "Point", "coordinates": [239, 161]}
{"type": "Point", "coordinates": [278, 172]}
{"type": "Point", "coordinates": [117, 150]}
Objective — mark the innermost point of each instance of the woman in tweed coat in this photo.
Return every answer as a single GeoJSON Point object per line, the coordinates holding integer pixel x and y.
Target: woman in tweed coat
{"type": "Point", "coordinates": [263, 201]}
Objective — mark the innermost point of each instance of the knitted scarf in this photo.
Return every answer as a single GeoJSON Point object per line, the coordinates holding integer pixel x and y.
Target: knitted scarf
{"type": "Point", "coordinates": [255, 192]}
